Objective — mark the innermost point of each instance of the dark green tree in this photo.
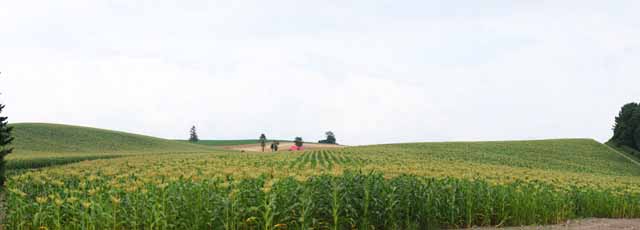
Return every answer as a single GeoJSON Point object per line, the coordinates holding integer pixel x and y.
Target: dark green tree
{"type": "Point", "coordinates": [193, 135]}
{"type": "Point", "coordinates": [263, 141]}
{"type": "Point", "coordinates": [626, 130]}
{"type": "Point", "coordinates": [5, 140]}
{"type": "Point", "coordinates": [636, 136]}
{"type": "Point", "coordinates": [298, 141]}
{"type": "Point", "coordinates": [331, 138]}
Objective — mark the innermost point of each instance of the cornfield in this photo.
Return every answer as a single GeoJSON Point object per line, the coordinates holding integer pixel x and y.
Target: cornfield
{"type": "Point", "coordinates": [375, 187]}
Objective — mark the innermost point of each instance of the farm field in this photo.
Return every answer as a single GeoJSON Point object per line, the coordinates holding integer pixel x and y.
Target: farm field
{"type": "Point", "coordinates": [398, 186]}
{"type": "Point", "coordinates": [319, 115]}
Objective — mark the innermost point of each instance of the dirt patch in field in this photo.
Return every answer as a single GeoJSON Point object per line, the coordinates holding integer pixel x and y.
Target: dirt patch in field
{"type": "Point", "coordinates": [584, 224]}
{"type": "Point", "coordinates": [284, 146]}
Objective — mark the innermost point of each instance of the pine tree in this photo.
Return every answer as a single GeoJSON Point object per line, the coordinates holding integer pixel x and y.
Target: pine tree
{"type": "Point", "coordinates": [5, 140]}
{"type": "Point", "coordinates": [193, 135]}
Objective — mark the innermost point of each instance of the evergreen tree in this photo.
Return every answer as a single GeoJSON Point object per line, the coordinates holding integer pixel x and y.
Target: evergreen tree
{"type": "Point", "coordinates": [263, 141]}
{"type": "Point", "coordinates": [5, 140]}
{"type": "Point", "coordinates": [193, 135]}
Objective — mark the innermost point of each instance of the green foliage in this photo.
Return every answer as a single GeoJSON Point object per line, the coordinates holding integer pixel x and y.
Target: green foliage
{"type": "Point", "coordinates": [193, 135]}
{"type": "Point", "coordinates": [636, 135]}
{"type": "Point", "coordinates": [626, 130]}
{"type": "Point", "coordinates": [298, 141]}
{"type": "Point", "coordinates": [331, 138]}
{"type": "Point", "coordinates": [5, 140]}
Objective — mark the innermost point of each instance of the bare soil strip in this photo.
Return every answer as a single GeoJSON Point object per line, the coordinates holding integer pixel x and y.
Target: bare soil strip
{"type": "Point", "coordinates": [284, 146]}
{"type": "Point", "coordinates": [583, 224]}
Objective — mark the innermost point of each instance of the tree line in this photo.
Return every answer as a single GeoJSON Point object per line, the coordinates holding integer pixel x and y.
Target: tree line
{"type": "Point", "coordinates": [330, 138]}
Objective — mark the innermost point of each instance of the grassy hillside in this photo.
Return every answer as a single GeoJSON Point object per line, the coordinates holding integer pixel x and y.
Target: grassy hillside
{"type": "Point", "coordinates": [40, 144]}
{"type": "Point", "coordinates": [630, 152]}
{"type": "Point", "coordinates": [56, 138]}
{"type": "Point", "coordinates": [567, 155]}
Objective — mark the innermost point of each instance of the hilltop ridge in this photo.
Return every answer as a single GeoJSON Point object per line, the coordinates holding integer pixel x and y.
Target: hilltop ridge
{"type": "Point", "coordinates": [59, 138]}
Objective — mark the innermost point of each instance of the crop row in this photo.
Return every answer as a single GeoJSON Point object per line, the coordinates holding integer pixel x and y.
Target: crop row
{"type": "Point", "coordinates": [33, 163]}
{"type": "Point", "coordinates": [325, 159]}
{"type": "Point", "coordinates": [349, 201]}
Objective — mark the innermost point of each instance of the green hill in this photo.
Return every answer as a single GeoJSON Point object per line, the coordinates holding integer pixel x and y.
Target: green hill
{"type": "Point", "coordinates": [561, 155]}
{"type": "Point", "coordinates": [630, 152]}
{"type": "Point", "coordinates": [41, 144]}
{"type": "Point", "coordinates": [56, 138]}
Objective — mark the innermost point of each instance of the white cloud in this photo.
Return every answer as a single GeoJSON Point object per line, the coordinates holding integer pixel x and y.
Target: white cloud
{"type": "Point", "coordinates": [371, 71]}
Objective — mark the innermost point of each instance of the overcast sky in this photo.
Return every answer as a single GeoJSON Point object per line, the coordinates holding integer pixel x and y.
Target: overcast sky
{"type": "Point", "coordinates": [371, 71]}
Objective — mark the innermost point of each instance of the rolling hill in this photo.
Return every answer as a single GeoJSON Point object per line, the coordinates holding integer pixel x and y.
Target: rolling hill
{"type": "Point", "coordinates": [57, 138]}
{"type": "Point", "coordinates": [420, 185]}
{"type": "Point", "coordinates": [42, 144]}
{"type": "Point", "coordinates": [39, 141]}
{"type": "Point", "coordinates": [565, 155]}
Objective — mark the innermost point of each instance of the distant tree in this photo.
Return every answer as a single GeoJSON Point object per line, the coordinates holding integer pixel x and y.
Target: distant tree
{"type": "Point", "coordinates": [331, 138]}
{"type": "Point", "coordinates": [193, 135]}
{"type": "Point", "coordinates": [298, 141]}
{"type": "Point", "coordinates": [626, 130]}
{"type": "Point", "coordinates": [5, 140]}
{"type": "Point", "coordinates": [263, 141]}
